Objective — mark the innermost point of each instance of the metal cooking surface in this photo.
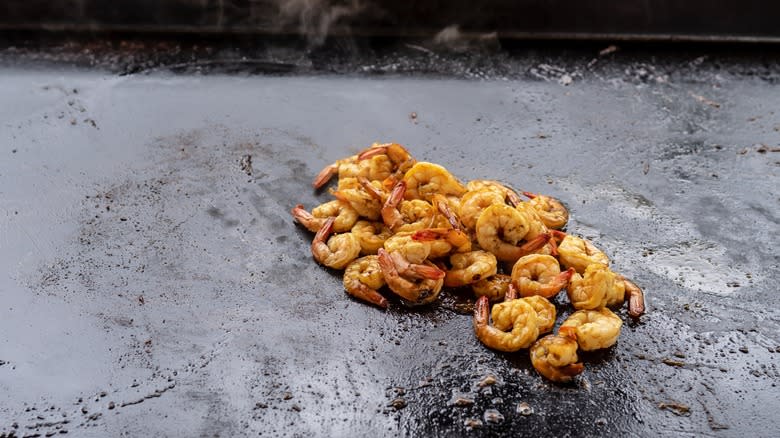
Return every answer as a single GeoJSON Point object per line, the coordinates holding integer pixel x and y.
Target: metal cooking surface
{"type": "Point", "coordinates": [151, 286]}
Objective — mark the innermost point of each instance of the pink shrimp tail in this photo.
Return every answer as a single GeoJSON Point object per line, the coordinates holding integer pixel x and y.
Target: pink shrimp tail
{"type": "Point", "coordinates": [325, 175]}
{"type": "Point", "coordinates": [530, 195]}
{"type": "Point", "coordinates": [481, 312]}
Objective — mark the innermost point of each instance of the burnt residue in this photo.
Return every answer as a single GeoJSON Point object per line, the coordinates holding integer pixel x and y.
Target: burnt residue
{"type": "Point", "coordinates": [173, 294]}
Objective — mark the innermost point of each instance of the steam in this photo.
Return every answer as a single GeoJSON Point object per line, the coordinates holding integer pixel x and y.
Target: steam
{"type": "Point", "coordinates": [452, 38]}
{"type": "Point", "coordinates": [317, 18]}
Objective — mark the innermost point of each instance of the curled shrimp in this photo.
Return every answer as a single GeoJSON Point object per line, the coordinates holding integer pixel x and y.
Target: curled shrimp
{"type": "Point", "coordinates": [474, 202]}
{"type": "Point", "coordinates": [371, 235]}
{"type": "Point", "coordinates": [470, 267]}
{"type": "Point", "coordinates": [545, 310]}
{"type": "Point", "coordinates": [514, 324]}
{"type": "Point", "coordinates": [402, 216]}
{"type": "Point", "coordinates": [494, 287]}
{"type": "Point", "coordinates": [593, 329]}
{"type": "Point", "coordinates": [416, 284]}
{"type": "Point", "coordinates": [594, 288]}
{"type": "Point", "coordinates": [345, 216]}
{"type": "Point", "coordinates": [361, 195]}
{"type": "Point", "coordinates": [337, 251]}
{"type": "Point", "coordinates": [444, 240]}
{"type": "Point", "coordinates": [425, 179]}
{"type": "Point", "coordinates": [400, 158]}
{"type": "Point", "coordinates": [508, 194]}
{"type": "Point", "coordinates": [363, 277]}
{"type": "Point", "coordinates": [555, 357]}
{"type": "Point", "coordinates": [501, 228]}
{"type": "Point", "coordinates": [538, 274]}
{"type": "Point", "coordinates": [578, 253]}
{"type": "Point", "coordinates": [413, 250]}
{"type": "Point", "coordinates": [551, 211]}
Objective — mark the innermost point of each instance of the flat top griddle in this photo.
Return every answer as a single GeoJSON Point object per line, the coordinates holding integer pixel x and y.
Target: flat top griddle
{"type": "Point", "coordinates": [152, 285]}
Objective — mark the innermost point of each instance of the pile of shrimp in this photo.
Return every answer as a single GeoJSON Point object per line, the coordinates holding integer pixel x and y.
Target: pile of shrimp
{"type": "Point", "coordinates": [410, 227]}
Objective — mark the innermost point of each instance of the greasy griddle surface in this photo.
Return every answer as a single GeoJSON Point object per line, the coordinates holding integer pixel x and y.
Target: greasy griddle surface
{"type": "Point", "coordinates": [154, 285]}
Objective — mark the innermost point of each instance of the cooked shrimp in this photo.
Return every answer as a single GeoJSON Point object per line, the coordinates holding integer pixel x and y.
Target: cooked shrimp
{"type": "Point", "coordinates": [363, 277]}
{"type": "Point", "coordinates": [537, 228]}
{"type": "Point", "coordinates": [508, 194]}
{"type": "Point", "coordinates": [555, 357]}
{"type": "Point", "coordinates": [337, 251]}
{"type": "Point", "coordinates": [545, 312]}
{"type": "Point", "coordinates": [593, 288]}
{"type": "Point", "coordinates": [413, 250]}
{"type": "Point", "coordinates": [402, 216]}
{"type": "Point", "coordinates": [470, 267]}
{"type": "Point", "coordinates": [575, 252]}
{"type": "Point", "coordinates": [371, 235]}
{"type": "Point", "coordinates": [552, 211]}
{"type": "Point", "coordinates": [474, 202]}
{"type": "Point", "coordinates": [345, 167]}
{"type": "Point", "coordinates": [516, 315]}
{"type": "Point", "coordinates": [345, 216]}
{"type": "Point", "coordinates": [500, 228]}
{"type": "Point", "coordinates": [400, 158]}
{"type": "Point", "coordinates": [410, 287]}
{"type": "Point", "coordinates": [444, 240]}
{"type": "Point", "coordinates": [425, 179]}
{"type": "Point", "coordinates": [363, 201]}
{"type": "Point", "coordinates": [538, 274]}
{"type": "Point", "coordinates": [442, 204]}
{"type": "Point", "coordinates": [494, 287]}
{"type": "Point", "coordinates": [594, 329]}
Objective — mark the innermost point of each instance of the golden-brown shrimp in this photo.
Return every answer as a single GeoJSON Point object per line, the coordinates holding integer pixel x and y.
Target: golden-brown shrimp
{"type": "Point", "coordinates": [494, 287]}
{"type": "Point", "coordinates": [364, 202]}
{"type": "Point", "coordinates": [411, 282]}
{"type": "Point", "coordinates": [444, 240]}
{"type": "Point", "coordinates": [402, 216]}
{"type": "Point", "coordinates": [578, 253]}
{"type": "Point", "coordinates": [551, 211]}
{"type": "Point", "coordinates": [413, 250]}
{"type": "Point", "coordinates": [363, 277]}
{"type": "Point", "coordinates": [470, 267]}
{"type": "Point", "coordinates": [442, 203]}
{"type": "Point", "coordinates": [345, 216]}
{"type": "Point", "coordinates": [337, 251]}
{"type": "Point", "coordinates": [349, 166]}
{"type": "Point", "coordinates": [516, 315]}
{"type": "Point", "coordinates": [400, 158]}
{"type": "Point", "coordinates": [555, 357]}
{"type": "Point", "coordinates": [474, 202]}
{"type": "Point", "coordinates": [371, 235]}
{"type": "Point", "coordinates": [594, 329]}
{"type": "Point", "coordinates": [545, 312]}
{"type": "Point", "coordinates": [508, 194]}
{"type": "Point", "coordinates": [425, 179]}
{"type": "Point", "coordinates": [538, 274]}
{"type": "Point", "coordinates": [501, 228]}
{"type": "Point", "coordinates": [594, 288]}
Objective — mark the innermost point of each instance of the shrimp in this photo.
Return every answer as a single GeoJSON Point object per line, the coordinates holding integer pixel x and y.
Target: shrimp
{"type": "Point", "coordinates": [444, 240]}
{"type": "Point", "coordinates": [474, 202]}
{"type": "Point", "coordinates": [336, 252]}
{"type": "Point", "coordinates": [494, 287]}
{"type": "Point", "coordinates": [593, 329]}
{"type": "Point", "coordinates": [575, 252]}
{"type": "Point", "coordinates": [551, 211]}
{"type": "Point", "coordinates": [470, 267]}
{"type": "Point", "coordinates": [555, 357]}
{"type": "Point", "coordinates": [538, 274]}
{"type": "Point", "coordinates": [400, 158]}
{"type": "Point", "coordinates": [545, 310]}
{"type": "Point", "coordinates": [593, 288]}
{"type": "Point", "coordinates": [345, 167]}
{"type": "Point", "coordinates": [345, 216]}
{"type": "Point", "coordinates": [508, 194]}
{"type": "Point", "coordinates": [425, 179]}
{"type": "Point", "coordinates": [363, 201]}
{"type": "Point", "coordinates": [371, 235]}
{"type": "Point", "coordinates": [411, 216]}
{"type": "Point", "coordinates": [413, 283]}
{"type": "Point", "coordinates": [516, 315]}
{"type": "Point", "coordinates": [500, 228]}
{"type": "Point", "coordinates": [363, 277]}
{"type": "Point", "coordinates": [442, 203]}
{"type": "Point", "coordinates": [413, 250]}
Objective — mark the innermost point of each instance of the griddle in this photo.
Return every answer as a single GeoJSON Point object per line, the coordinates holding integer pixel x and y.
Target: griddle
{"type": "Point", "coordinates": [154, 284]}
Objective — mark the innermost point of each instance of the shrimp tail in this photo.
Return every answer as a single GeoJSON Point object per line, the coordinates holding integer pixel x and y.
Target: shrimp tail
{"type": "Point", "coordinates": [481, 313]}
{"type": "Point", "coordinates": [390, 214]}
{"type": "Point", "coordinates": [568, 332]}
{"type": "Point", "coordinates": [365, 293]}
{"type": "Point", "coordinates": [562, 279]}
{"type": "Point", "coordinates": [371, 152]}
{"type": "Point", "coordinates": [535, 243]}
{"type": "Point", "coordinates": [511, 293]}
{"type": "Point", "coordinates": [444, 208]}
{"type": "Point", "coordinates": [530, 195]}
{"type": "Point", "coordinates": [425, 271]}
{"type": "Point", "coordinates": [305, 218]}
{"type": "Point", "coordinates": [325, 175]}
{"type": "Point", "coordinates": [322, 235]}
{"type": "Point", "coordinates": [371, 190]}
{"type": "Point", "coordinates": [512, 198]}
{"type": "Point", "coordinates": [636, 299]}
